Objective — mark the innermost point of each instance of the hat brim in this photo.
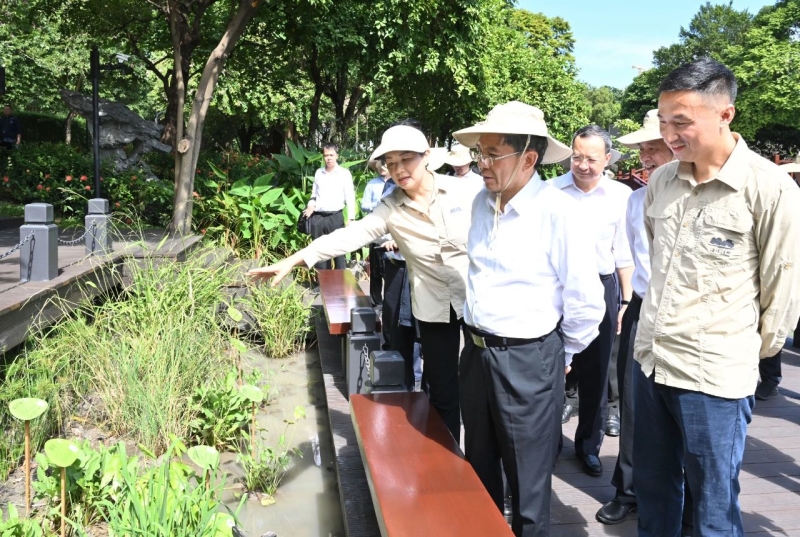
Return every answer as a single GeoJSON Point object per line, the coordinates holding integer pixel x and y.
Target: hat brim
{"type": "Point", "coordinates": [792, 167]}
{"type": "Point", "coordinates": [437, 158]}
{"type": "Point", "coordinates": [556, 151]}
{"type": "Point", "coordinates": [460, 160]}
{"type": "Point", "coordinates": [633, 139]}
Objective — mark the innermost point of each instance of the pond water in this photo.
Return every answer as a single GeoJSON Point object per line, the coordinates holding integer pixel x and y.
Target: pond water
{"type": "Point", "coordinates": [307, 501]}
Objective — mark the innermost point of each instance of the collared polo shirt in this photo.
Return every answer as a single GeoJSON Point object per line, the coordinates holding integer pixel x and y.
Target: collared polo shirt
{"type": "Point", "coordinates": [433, 242]}
{"type": "Point", "coordinates": [605, 206]}
{"type": "Point", "coordinates": [724, 286]}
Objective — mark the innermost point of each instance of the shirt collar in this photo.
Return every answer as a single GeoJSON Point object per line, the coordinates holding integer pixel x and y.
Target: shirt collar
{"type": "Point", "coordinates": [523, 201]}
{"type": "Point", "coordinates": [601, 185]}
{"type": "Point", "coordinates": [730, 173]}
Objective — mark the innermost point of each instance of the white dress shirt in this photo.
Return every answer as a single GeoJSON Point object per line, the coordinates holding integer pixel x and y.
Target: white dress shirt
{"type": "Point", "coordinates": [637, 238]}
{"type": "Point", "coordinates": [604, 207]}
{"type": "Point", "coordinates": [471, 180]}
{"type": "Point", "coordinates": [333, 190]}
{"type": "Point", "coordinates": [538, 268]}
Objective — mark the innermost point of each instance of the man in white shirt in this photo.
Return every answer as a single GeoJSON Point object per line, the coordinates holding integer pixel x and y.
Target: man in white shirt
{"type": "Point", "coordinates": [332, 190]}
{"type": "Point", "coordinates": [653, 152]}
{"type": "Point", "coordinates": [533, 301]}
{"type": "Point", "coordinates": [603, 201]}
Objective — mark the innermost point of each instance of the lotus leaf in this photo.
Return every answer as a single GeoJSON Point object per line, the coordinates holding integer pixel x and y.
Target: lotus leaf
{"type": "Point", "coordinates": [252, 393]}
{"type": "Point", "coordinates": [61, 452]}
{"type": "Point", "coordinates": [206, 457]}
{"type": "Point", "coordinates": [27, 408]}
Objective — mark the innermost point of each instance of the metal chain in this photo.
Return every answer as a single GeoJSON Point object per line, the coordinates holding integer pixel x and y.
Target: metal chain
{"type": "Point", "coordinates": [17, 247]}
{"type": "Point", "coordinates": [365, 358]}
{"type": "Point", "coordinates": [79, 239]}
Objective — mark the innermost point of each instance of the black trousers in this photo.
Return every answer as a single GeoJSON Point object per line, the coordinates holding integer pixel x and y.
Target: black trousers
{"type": "Point", "coordinates": [395, 336]}
{"type": "Point", "coordinates": [770, 368]}
{"type": "Point", "coordinates": [626, 372]}
{"type": "Point", "coordinates": [323, 224]}
{"type": "Point", "coordinates": [440, 344]}
{"type": "Point", "coordinates": [589, 377]}
{"type": "Point", "coordinates": [376, 274]}
{"type": "Point", "coordinates": [511, 402]}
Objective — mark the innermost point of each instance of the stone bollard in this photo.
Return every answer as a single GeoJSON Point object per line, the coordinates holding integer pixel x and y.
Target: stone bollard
{"type": "Point", "coordinates": [361, 340]}
{"type": "Point", "coordinates": [387, 371]}
{"type": "Point", "coordinates": [98, 239]}
{"type": "Point", "coordinates": [38, 257]}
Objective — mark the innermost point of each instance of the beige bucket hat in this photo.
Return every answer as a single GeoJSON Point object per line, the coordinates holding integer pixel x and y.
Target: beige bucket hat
{"type": "Point", "coordinates": [649, 132]}
{"type": "Point", "coordinates": [458, 156]}
{"type": "Point", "coordinates": [792, 167]}
{"type": "Point", "coordinates": [515, 118]}
{"type": "Point", "coordinates": [401, 138]}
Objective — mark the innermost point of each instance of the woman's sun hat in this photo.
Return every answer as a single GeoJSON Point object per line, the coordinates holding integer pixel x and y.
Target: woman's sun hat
{"type": "Point", "coordinates": [515, 117]}
{"type": "Point", "coordinates": [401, 138]}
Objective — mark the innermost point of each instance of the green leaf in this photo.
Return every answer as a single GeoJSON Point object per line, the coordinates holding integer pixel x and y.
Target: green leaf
{"type": "Point", "coordinates": [27, 408]}
{"type": "Point", "coordinates": [238, 345]}
{"type": "Point", "coordinates": [264, 180]}
{"type": "Point", "coordinates": [61, 452]}
{"type": "Point", "coordinates": [234, 314]}
{"type": "Point", "coordinates": [219, 173]}
{"type": "Point", "coordinates": [270, 196]}
{"type": "Point", "coordinates": [287, 164]}
{"type": "Point", "coordinates": [252, 393]}
{"type": "Point", "coordinates": [206, 457]}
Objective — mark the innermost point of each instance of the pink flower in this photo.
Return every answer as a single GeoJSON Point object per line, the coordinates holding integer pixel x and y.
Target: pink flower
{"type": "Point", "coordinates": [40, 187]}
{"type": "Point", "coordinates": [84, 178]}
{"type": "Point", "coordinates": [195, 194]}
{"type": "Point", "coordinates": [87, 187]}
{"type": "Point", "coordinates": [203, 231]}
{"type": "Point", "coordinates": [69, 178]}
{"type": "Point", "coordinates": [116, 204]}
{"type": "Point", "coordinates": [47, 189]}
{"type": "Point", "coordinates": [5, 179]}
{"type": "Point", "coordinates": [47, 176]}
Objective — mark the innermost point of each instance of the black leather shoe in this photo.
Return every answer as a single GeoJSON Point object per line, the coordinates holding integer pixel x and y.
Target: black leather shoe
{"type": "Point", "coordinates": [615, 512]}
{"type": "Point", "coordinates": [568, 412]}
{"type": "Point", "coordinates": [765, 390]}
{"type": "Point", "coordinates": [591, 465]}
{"type": "Point", "coordinates": [612, 425]}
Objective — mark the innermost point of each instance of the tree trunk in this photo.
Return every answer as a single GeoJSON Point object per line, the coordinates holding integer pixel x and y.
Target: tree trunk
{"type": "Point", "coordinates": [68, 127]}
{"type": "Point", "coordinates": [173, 129]}
{"type": "Point", "coordinates": [182, 208]}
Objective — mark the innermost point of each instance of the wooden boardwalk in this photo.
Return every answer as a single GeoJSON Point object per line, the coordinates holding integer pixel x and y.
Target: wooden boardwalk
{"type": "Point", "coordinates": [26, 306]}
{"type": "Point", "coordinates": [770, 477]}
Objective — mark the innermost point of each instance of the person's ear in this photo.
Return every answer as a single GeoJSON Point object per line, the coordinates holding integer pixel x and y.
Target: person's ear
{"type": "Point", "coordinates": [531, 159]}
{"type": "Point", "coordinates": [727, 114]}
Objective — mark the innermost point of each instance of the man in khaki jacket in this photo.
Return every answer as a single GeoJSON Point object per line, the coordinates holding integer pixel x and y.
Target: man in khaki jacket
{"type": "Point", "coordinates": [724, 237]}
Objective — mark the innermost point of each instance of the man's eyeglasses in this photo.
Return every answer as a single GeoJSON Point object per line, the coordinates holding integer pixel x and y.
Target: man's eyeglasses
{"type": "Point", "coordinates": [477, 156]}
{"type": "Point", "coordinates": [577, 160]}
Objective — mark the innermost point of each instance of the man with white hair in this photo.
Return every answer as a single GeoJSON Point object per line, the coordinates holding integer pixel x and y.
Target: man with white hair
{"type": "Point", "coordinates": [533, 301]}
